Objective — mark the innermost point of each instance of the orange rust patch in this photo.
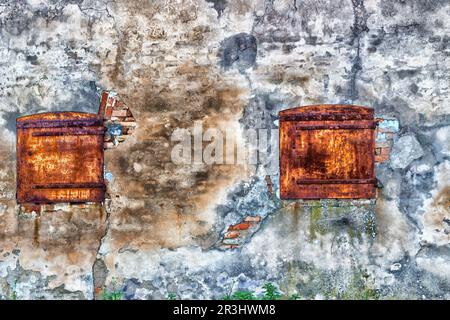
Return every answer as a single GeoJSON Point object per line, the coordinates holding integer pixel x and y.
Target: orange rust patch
{"type": "Point", "coordinates": [327, 151]}
{"type": "Point", "coordinates": [60, 158]}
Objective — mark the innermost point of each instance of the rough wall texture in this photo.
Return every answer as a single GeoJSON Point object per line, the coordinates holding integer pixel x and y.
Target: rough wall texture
{"type": "Point", "coordinates": [231, 64]}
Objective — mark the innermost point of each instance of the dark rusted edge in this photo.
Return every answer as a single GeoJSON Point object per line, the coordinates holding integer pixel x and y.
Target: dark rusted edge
{"type": "Point", "coordinates": [280, 151]}
{"type": "Point", "coordinates": [336, 126]}
{"type": "Point", "coordinates": [325, 116]}
{"type": "Point", "coordinates": [18, 167]}
{"type": "Point", "coordinates": [372, 142]}
{"type": "Point", "coordinates": [42, 199]}
{"type": "Point", "coordinates": [90, 185]}
{"type": "Point", "coordinates": [336, 181]}
{"type": "Point", "coordinates": [77, 132]}
{"type": "Point", "coordinates": [326, 198]}
{"type": "Point", "coordinates": [39, 200]}
{"type": "Point", "coordinates": [57, 123]}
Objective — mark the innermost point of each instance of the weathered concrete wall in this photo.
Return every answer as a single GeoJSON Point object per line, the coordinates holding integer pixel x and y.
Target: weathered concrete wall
{"type": "Point", "coordinates": [231, 64]}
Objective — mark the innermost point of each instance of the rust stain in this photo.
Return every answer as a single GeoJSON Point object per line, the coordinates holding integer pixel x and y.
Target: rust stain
{"type": "Point", "coordinates": [442, 199]}
{"type": "Point", "coordinates": [101, 215]}
{"type": "Point", "coordinates": [37, 227]}
{"type": "Point", "coordinates": [327, 151]}
{"type": "Point", "coordinates": [60, 158]}
{"type": "Point", "coordinates": [169, 94]}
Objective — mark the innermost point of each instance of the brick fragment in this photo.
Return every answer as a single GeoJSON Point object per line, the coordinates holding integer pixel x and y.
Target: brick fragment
{"type": "Point", "coordinates": [385, 151]}
{"type": "Point", "coordinates": [240, 226]}
{"type": "Point", "coordinates": [121, 105]}
{"type": "Point", "coordinates": [382, 154]}
{"type": "Point", "coordinates": [381, 157]}
{"type": "Point", "coordinates": [231, 234]}
{"type": "Point", "coordinates": [108, 112]}
{"type": "Point", "coordinates": [111, 102]}
{"type": "Point", "coordinates": [119, 113]}
{"type": "Point", "coordinates": [253, 219]}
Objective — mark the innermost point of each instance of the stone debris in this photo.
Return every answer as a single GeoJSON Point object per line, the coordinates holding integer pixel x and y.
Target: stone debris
{"type": "Point", "coordinates": [406, 149]}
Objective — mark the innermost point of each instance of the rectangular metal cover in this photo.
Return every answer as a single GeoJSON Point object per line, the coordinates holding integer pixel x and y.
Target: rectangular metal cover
{"type": "Point", "coordinates": [60, 158]}
{"type": "Point", "coordinates": [327, 151]}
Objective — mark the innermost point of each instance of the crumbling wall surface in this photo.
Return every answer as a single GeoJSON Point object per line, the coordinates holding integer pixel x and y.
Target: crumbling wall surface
{"type": "Point", "coordinates": [206, 231]}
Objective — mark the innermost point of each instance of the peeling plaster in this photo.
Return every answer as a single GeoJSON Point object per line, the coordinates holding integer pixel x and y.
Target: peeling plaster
{"type": "Point", "coordinates": [157, 234]}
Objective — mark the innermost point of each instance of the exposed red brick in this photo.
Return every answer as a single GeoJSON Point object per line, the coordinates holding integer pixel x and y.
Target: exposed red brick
{"type": "Point", "coordinates": [119, 113]}
{"type": "Point", "coordinates": [381, 157]}
{"type": "Point", "coordinates": [117, 110]}
{"type": "Point", "coordinates": [240, 226]}
{"type": "Point", "coordinates": [121, 105]}
{"type": "Point", "coordinates": [108, 113]}
{"type": "Point", "coordinates": [111, 102]}
{"type": "Point", "coordinates": [231, 235]}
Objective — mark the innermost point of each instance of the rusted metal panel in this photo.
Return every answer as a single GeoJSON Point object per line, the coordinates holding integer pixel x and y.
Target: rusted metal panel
{"type": "Point", "coordinates": [336, 126]}
{"type": "Point", "coordinates": [327, 113]}
{"type": "Point", "coordinates": [60, 158]}
{"type": "Point", "coordinates": [327, 151]}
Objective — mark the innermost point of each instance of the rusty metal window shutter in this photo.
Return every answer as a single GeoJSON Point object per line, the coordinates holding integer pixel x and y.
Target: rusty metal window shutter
{"type": "Point", "coordinates": [327, 151]}
{"type": "Point", "coordinates": [60, 158]}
